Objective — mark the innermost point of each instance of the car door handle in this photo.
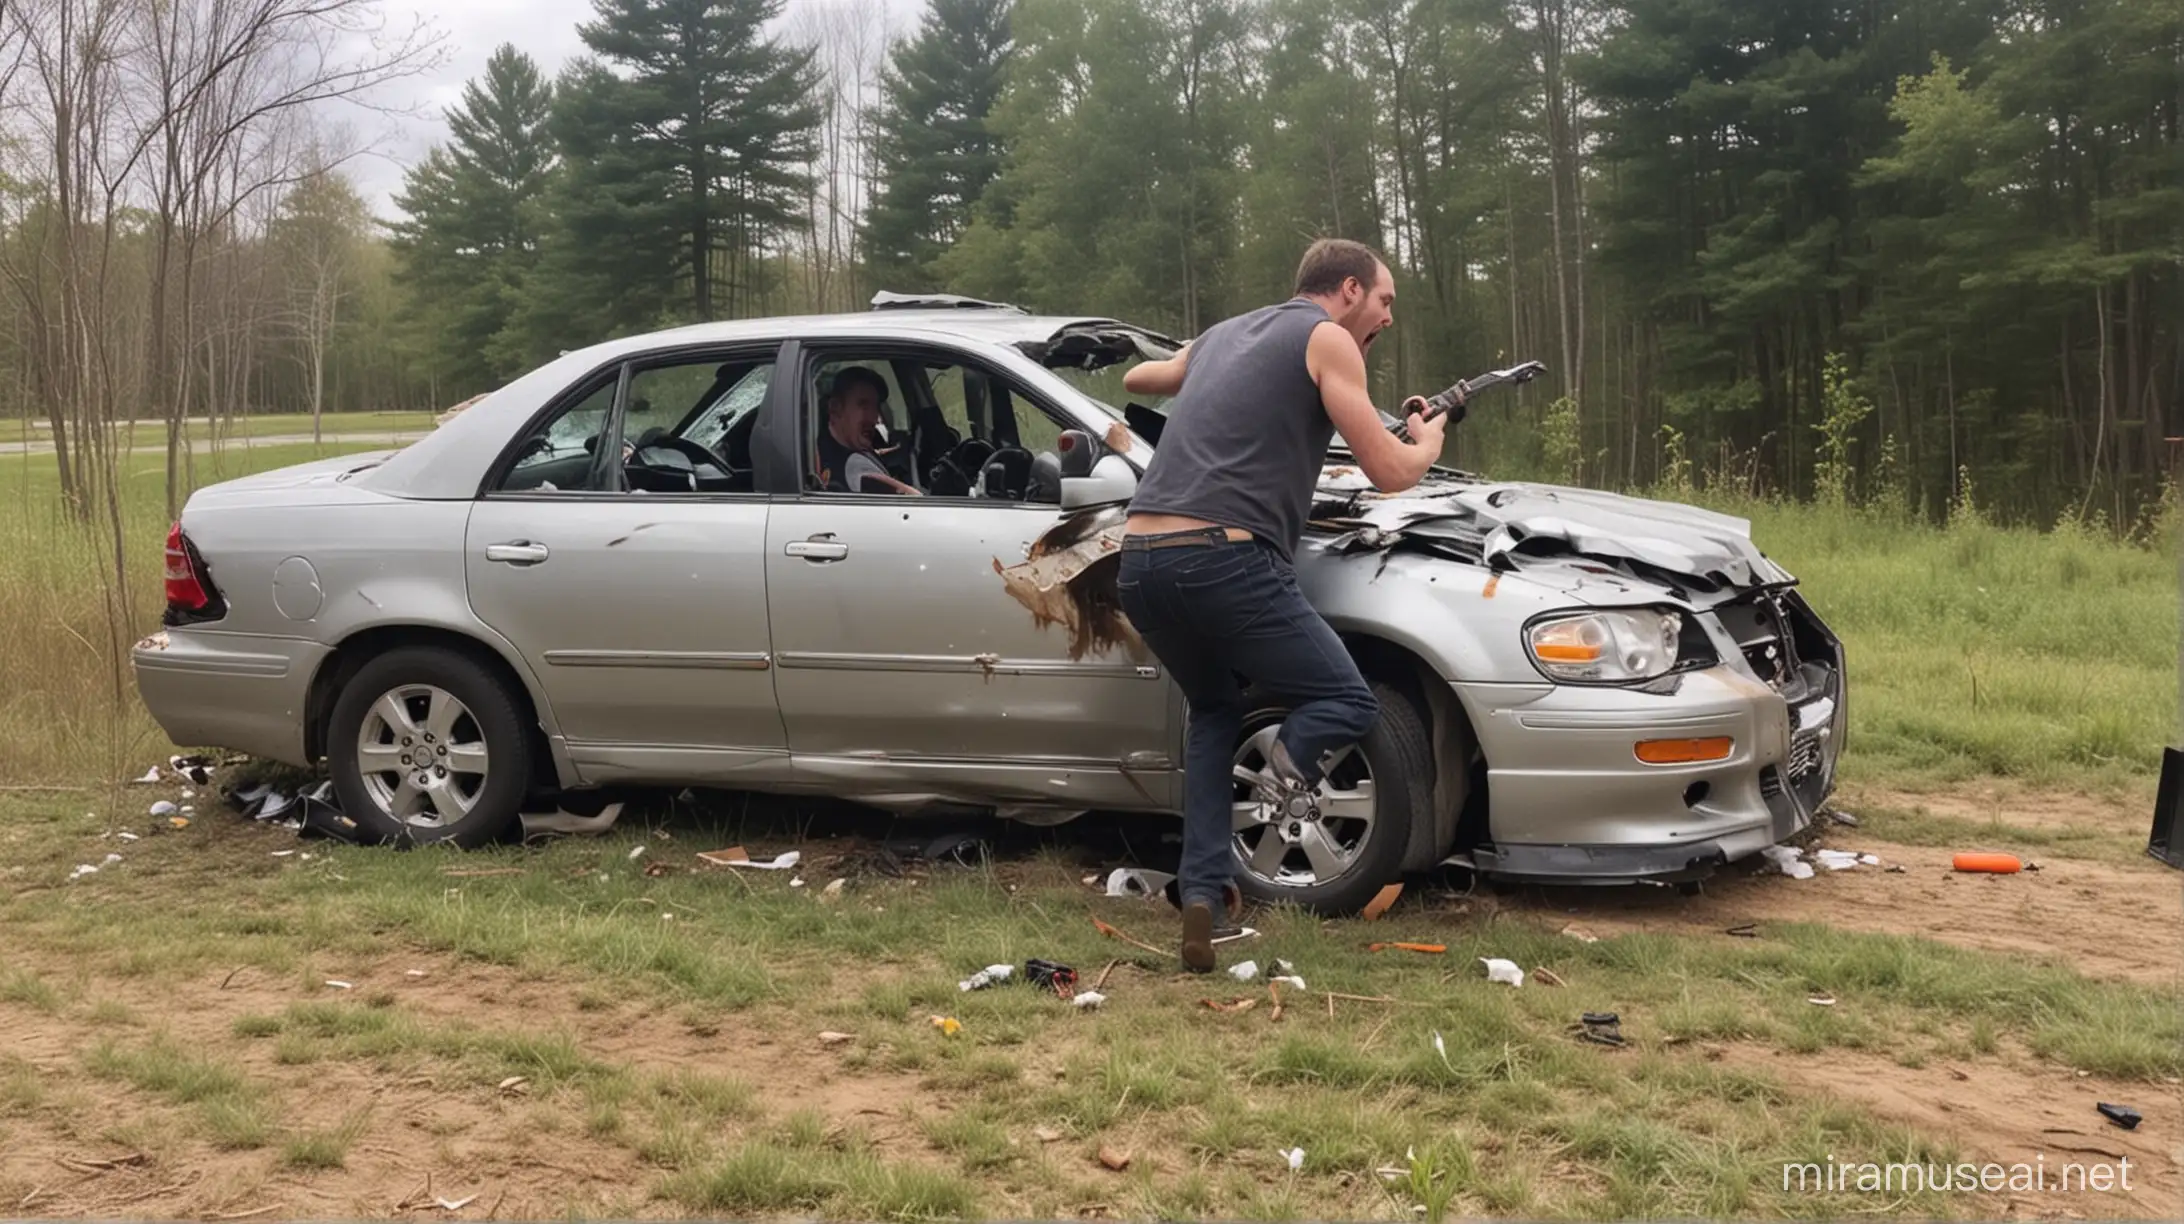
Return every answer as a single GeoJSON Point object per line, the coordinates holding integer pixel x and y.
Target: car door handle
{"type": "Point", "coordinates": [516, 552]}
{"type": "Point", "coordinates": [821, 547]}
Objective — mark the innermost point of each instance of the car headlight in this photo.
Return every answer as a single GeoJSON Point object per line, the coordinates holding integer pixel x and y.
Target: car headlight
{"type": "Point", "coordinates": [1607, 646]}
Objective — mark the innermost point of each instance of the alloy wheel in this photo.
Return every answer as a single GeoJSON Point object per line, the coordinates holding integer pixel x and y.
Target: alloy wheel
{"type": "Point", "coordinates": [421, 755]}
{"type": "Point", "coordinates": [1286, 849]}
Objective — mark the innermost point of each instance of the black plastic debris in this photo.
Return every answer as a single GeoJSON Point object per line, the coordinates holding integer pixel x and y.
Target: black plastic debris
{"type": "Point", "coordinates": [2166, 842]}
{"type": "Point", "coordinates": [323, 819]}
{"type": "Point", "coordinates": [2122, 1115]}
{"type": "Point", "coordinates": [1049, 975]}
{"type": "Point", "coordinates": [961, 848]}
{"type": "Point", "coordinates": [197, 769]}
{"type": "Point", "coordinates": [1601, 1028]}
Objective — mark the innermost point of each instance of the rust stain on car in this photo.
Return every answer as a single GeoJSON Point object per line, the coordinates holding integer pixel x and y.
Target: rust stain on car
{"type": "Point", "coordinates": [1068, 579]}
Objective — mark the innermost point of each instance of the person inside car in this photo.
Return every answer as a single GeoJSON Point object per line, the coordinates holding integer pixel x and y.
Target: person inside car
{"type": "Point", "coordinates": [848, 459]}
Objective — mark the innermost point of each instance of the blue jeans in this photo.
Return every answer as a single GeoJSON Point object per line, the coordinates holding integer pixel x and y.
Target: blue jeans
{"type": "Point", "coordinates": [1215, 611]}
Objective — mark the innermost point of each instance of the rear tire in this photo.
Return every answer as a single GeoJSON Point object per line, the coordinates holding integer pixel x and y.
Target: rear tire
{"type": "Point", "coordinates": [426, 744]}
{"type": "Point", "coordinates": [1396, 760]}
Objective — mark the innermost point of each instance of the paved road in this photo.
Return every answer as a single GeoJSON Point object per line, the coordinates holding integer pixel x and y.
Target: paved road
{"type": "Point", "coordinates": [158, 446]}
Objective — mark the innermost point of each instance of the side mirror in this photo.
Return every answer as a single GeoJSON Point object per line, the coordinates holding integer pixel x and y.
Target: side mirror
{"type": "Point", "coordinates": [1111, 480]}
{"type": "Point", "coordinates": [1074, 448]}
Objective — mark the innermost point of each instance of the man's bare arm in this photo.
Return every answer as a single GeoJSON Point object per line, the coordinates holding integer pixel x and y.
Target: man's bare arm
{"type": "Point", "coordinates": [1392, 464]}
{"type": "Point", "coordinates": [1157, 377]}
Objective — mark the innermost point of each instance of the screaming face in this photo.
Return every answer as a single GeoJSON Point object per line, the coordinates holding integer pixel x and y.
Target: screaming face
{"type": "Point", "coordinates": [1368, 310]}
{"type": "Point", "coordinates": [853, 417]}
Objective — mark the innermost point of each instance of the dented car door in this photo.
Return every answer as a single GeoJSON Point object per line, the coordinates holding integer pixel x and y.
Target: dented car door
{"type": "Point", "coordinates": [900, 657]}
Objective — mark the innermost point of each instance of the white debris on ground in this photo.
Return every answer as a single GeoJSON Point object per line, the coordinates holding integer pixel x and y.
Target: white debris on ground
{"type": "Point", "coordinates": [1245, 971]}
{"type": "Point", "coordinates": [1088, 999]}
{"type": "Point", "coordinates": [1499, 970]}
{"type": "Point", "coordinates": [562, 821]}
{"type": "Point", "coordinates": [988, 976]}
{"type": "Point", "coordinates": [1790, 860]}
{"type": "Point", "coordinates": [1136, 882]}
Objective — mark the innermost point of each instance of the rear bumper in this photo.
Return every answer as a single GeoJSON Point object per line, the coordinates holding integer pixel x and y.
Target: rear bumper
{"type": "Point", "coordinates": [1568, 800]}
{"type": "Point", "coordinates": [243, 692]}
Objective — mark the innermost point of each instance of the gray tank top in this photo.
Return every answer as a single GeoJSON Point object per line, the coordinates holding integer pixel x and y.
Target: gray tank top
{"type": "Point", "coordinates": [1246, 435]}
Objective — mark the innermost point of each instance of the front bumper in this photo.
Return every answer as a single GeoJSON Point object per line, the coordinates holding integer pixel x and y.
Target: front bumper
{"type": "Point", "coordinates": [242, 692]}
{"type": "Point", "coordinates": [1568, 800]}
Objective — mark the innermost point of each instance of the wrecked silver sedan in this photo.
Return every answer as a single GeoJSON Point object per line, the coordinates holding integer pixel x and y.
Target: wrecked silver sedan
{"type": "Point", "coordinates": [636, 566]}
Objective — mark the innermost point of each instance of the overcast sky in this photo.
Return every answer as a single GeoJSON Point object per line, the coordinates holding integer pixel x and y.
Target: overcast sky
{"type": "Point", "coordinates": [545, 29]}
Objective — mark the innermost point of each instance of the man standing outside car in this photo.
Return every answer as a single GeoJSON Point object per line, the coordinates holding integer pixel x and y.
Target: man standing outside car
{"type": "Point", "coordinates": [1206, 575]}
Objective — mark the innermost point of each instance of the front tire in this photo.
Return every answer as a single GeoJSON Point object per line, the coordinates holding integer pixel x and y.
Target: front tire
{"type": "Point", "coordinates": [427, 745]}
{"type": "Point", "coordinates": [1372, 793]}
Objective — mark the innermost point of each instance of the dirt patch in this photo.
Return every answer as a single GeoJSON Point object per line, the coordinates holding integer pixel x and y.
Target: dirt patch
{"type": "Point", "coordinates": [2102, 920]}
{"type": "Point", "coordinates": [2016, 807]}
{"type": "Point", "coordinates": [123, 1152]}
{"type": "Point", "coordinates": [2009, 1113]}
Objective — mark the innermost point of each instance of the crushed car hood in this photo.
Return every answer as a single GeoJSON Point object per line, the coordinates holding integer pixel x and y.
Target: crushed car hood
{"type": "Point", "coordinates": [1579, 541]}
{"type": "Point", "coordinates": [1699, 554]}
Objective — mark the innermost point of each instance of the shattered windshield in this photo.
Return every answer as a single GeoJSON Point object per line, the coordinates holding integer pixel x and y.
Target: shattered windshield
{"type": "Point", "coordinates": [1104, 388]}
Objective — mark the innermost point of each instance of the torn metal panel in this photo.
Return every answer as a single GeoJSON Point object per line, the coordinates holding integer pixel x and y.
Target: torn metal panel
{"type": "Point", "coordinates": [1092, 344]}
{"type": "Point", "coordinates": [1696, 554]}
{"type": "Point", "coordinates": [1069, 580]}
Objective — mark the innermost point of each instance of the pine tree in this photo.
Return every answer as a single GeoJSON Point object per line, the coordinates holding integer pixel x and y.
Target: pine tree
{"type": "Point", "coordinates": [472, 218]}
{"type": "Point", "coordinates": [1125, 121]}
{"type": "Point", "coordinates": [934, 152]}
{"type": "Point", "coordinates": [689, 161]}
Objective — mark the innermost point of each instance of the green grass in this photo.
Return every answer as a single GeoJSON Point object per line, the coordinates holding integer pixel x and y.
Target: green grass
{"type": "Point", "coordinates": [1915, 826]}
{"type": "Point", "coordinates": [399, 1041]}
{"type": "Point", "coordinates": [22, 1091]}
{"type": "Point", "coordinates": [21, 986]}
{"type": "Point", "coordinates": [1517, 1118]}
{"type": "Point", "coordinates": [766, 1178]}
{"type": "Point", "coordinates": [1979, 650]}
{"type": "Point", "coordinates": [233, 1109]}
{"type": "Point", "coordinates": [321, 1149]}
{"type": "Point", "coordinates": [265, 425]}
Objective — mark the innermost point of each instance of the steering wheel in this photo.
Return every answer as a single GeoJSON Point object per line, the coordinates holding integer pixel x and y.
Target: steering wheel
{"type": "Point", "coordinates": [971, 454]}
{"type": "Point", "coordinates": [696, 452]}
{"type": "Point", "coordinates": [1007, 474]}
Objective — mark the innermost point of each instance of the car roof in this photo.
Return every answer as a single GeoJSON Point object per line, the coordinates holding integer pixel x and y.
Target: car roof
{"type": "Point", "coordinates": [989, 324]}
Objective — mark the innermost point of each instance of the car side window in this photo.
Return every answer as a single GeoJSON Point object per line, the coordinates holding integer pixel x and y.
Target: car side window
{"type": "Point", "coordinates": [686, 428]}
{"type": "Point", "coordinates": [558, 454]}
{"type": "Point", "coordinates": [934, 426]}
{"type": "Point", "coordinates": [681, 430]}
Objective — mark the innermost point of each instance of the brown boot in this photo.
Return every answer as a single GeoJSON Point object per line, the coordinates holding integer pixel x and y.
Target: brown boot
{"type": "Point", "coordinates": [1198, 937]}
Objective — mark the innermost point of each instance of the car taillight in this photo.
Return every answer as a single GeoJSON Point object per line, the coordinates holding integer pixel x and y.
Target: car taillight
{"type": "Point", "coordinates": [186, 586]}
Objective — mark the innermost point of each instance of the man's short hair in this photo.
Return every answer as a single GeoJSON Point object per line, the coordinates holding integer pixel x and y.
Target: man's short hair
{"type": "Point", "coordinates": [854, 376]}
{"type": "Point", "coordinates": [1331, 261]}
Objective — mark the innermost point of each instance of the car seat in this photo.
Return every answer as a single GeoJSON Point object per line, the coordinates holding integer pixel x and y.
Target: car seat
{"type": "Point", "coordinates": [1006, 473]}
